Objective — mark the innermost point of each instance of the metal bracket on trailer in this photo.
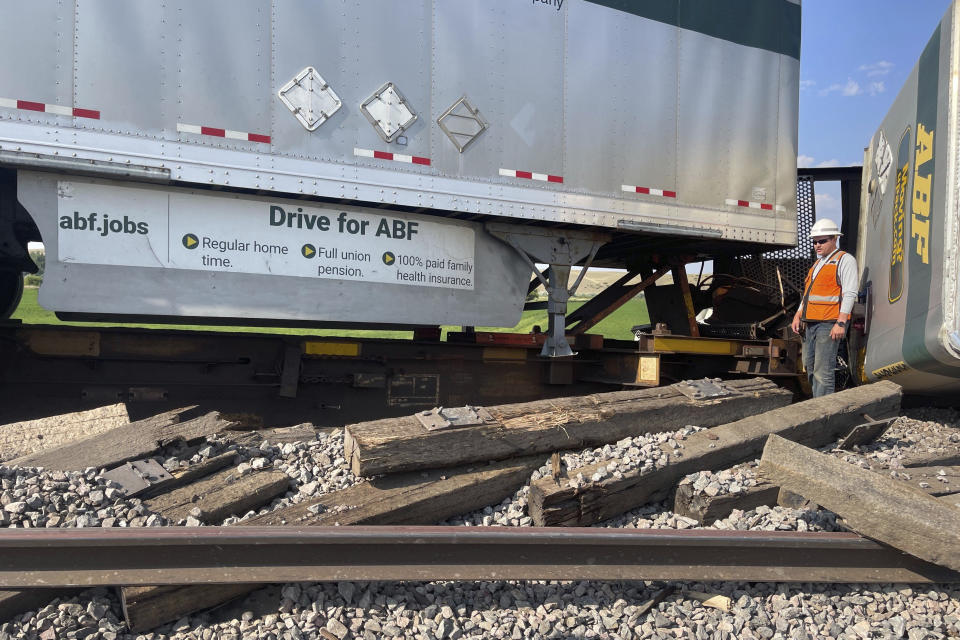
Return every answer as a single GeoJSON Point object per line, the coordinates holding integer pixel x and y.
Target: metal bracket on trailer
{"type": "Point", "coordinates": [560, 249]}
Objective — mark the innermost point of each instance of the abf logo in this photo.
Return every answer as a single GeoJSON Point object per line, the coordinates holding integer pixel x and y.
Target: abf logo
{"type": "Point", "coordinates": [920, 223]}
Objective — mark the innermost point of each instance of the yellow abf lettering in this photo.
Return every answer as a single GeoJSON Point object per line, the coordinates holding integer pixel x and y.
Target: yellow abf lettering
{"type": "Point", "coordinates": [922, 185]}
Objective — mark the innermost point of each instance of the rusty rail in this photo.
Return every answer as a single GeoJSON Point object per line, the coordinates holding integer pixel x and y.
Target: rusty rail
{"type": "Point", "coordinates": [178, 555]}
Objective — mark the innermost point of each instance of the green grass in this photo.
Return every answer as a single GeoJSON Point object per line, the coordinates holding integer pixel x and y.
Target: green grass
{"type": "Point", "coordinates": [617, 325]}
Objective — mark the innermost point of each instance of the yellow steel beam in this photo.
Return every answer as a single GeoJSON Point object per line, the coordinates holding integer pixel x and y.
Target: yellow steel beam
{"type": "Point", "coordinates": [343, 349]}
{"type": "Point", "coordinates": [703, 346]}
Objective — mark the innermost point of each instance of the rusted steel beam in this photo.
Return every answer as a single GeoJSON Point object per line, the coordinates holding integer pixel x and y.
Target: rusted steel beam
{"type": "Point", "coordinates": [211, 555]}
{"type": "Point", "coordinates": [680, 277]}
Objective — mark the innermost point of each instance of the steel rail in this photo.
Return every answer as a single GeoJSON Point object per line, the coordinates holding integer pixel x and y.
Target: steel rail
{"type": "Point", "coordinates": [180, 555]}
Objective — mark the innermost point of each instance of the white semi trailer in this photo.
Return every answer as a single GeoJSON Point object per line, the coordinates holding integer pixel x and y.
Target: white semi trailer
{"type": "Point", "coordinates": [410, 163]}
{"type": "Point", "coordinates": [387, 162]}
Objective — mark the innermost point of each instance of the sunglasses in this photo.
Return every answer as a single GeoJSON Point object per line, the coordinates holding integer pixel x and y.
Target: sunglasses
{"type": "Point", "coordinates": [824, 241]}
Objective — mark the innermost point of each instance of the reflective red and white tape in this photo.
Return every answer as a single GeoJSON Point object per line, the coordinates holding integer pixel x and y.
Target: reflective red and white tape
{"type": "Point", "coordinates": [57, 109]}
{"type": "Point", "coordinates": [530, 175]}
{"type": "Point", "coordinates": [754, 205]}
{"type": "Point", "coordinates": [386, 155]}
{"type": "Point", "coordinates": [648, 191]}
{"type": "Point", "coordinates": [222, 133]}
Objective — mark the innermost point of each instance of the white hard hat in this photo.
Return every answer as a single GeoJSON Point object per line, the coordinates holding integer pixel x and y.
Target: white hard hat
{"type": "Point", "coordinates": [825, 227]}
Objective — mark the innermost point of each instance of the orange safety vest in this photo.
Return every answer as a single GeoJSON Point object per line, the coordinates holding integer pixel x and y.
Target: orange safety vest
{"type": "Point", "coordinates": [821, 298]}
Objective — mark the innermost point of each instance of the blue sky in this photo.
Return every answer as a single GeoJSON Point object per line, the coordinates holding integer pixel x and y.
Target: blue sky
{"type": "Point", "coordinates": [855, 56]}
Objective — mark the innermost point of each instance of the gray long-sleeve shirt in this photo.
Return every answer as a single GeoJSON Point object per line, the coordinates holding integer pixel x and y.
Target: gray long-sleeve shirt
{"type": "Point", "coordinates": [849, 279]}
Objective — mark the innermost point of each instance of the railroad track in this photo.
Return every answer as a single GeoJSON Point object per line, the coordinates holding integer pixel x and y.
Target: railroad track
{"type": "Point", "coordinates": [223, 555]}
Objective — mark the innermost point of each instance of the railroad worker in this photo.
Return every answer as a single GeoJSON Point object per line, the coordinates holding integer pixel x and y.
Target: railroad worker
{"type": "Point", "coordinates": [829, 292]}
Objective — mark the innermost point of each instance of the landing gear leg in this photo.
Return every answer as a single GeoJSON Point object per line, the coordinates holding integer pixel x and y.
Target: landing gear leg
{"type": "Point", "coordinates": [559, 250]}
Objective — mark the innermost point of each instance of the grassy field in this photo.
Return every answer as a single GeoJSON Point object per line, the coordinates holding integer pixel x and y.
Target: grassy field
{"type": "Point", "coordinates": [617, 325]}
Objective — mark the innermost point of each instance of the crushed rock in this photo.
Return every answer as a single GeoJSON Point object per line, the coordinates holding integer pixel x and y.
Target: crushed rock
{"type": "Point", "coordinates": [512, 609]}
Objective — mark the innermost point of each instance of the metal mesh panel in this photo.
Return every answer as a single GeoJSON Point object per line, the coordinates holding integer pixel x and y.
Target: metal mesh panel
{"type": "Point", "coordinates": [806, 214]}
{"type": "Point", "coordinates": [795, 261]}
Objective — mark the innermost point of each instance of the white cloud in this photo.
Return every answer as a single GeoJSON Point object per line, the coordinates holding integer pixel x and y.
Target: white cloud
{"type": "Point", "coordinates": [851, 88]}
{"type": "Point", "coordinates": [806, 162]}
{"type": "Point", "coordinates": [806, 84]}
{"type": "Point", "coordinates": [828, 206]}
{"type": "Point", "coordinates": [833, 162]}
{"type": "Point", "coordinates": [880, 68]}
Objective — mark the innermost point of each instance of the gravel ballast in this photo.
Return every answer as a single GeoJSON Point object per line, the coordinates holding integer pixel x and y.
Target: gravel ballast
{"type": "Point", "coordinates": [452, 610]}
{"type": "Point", "coordinates": [508, 609]}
